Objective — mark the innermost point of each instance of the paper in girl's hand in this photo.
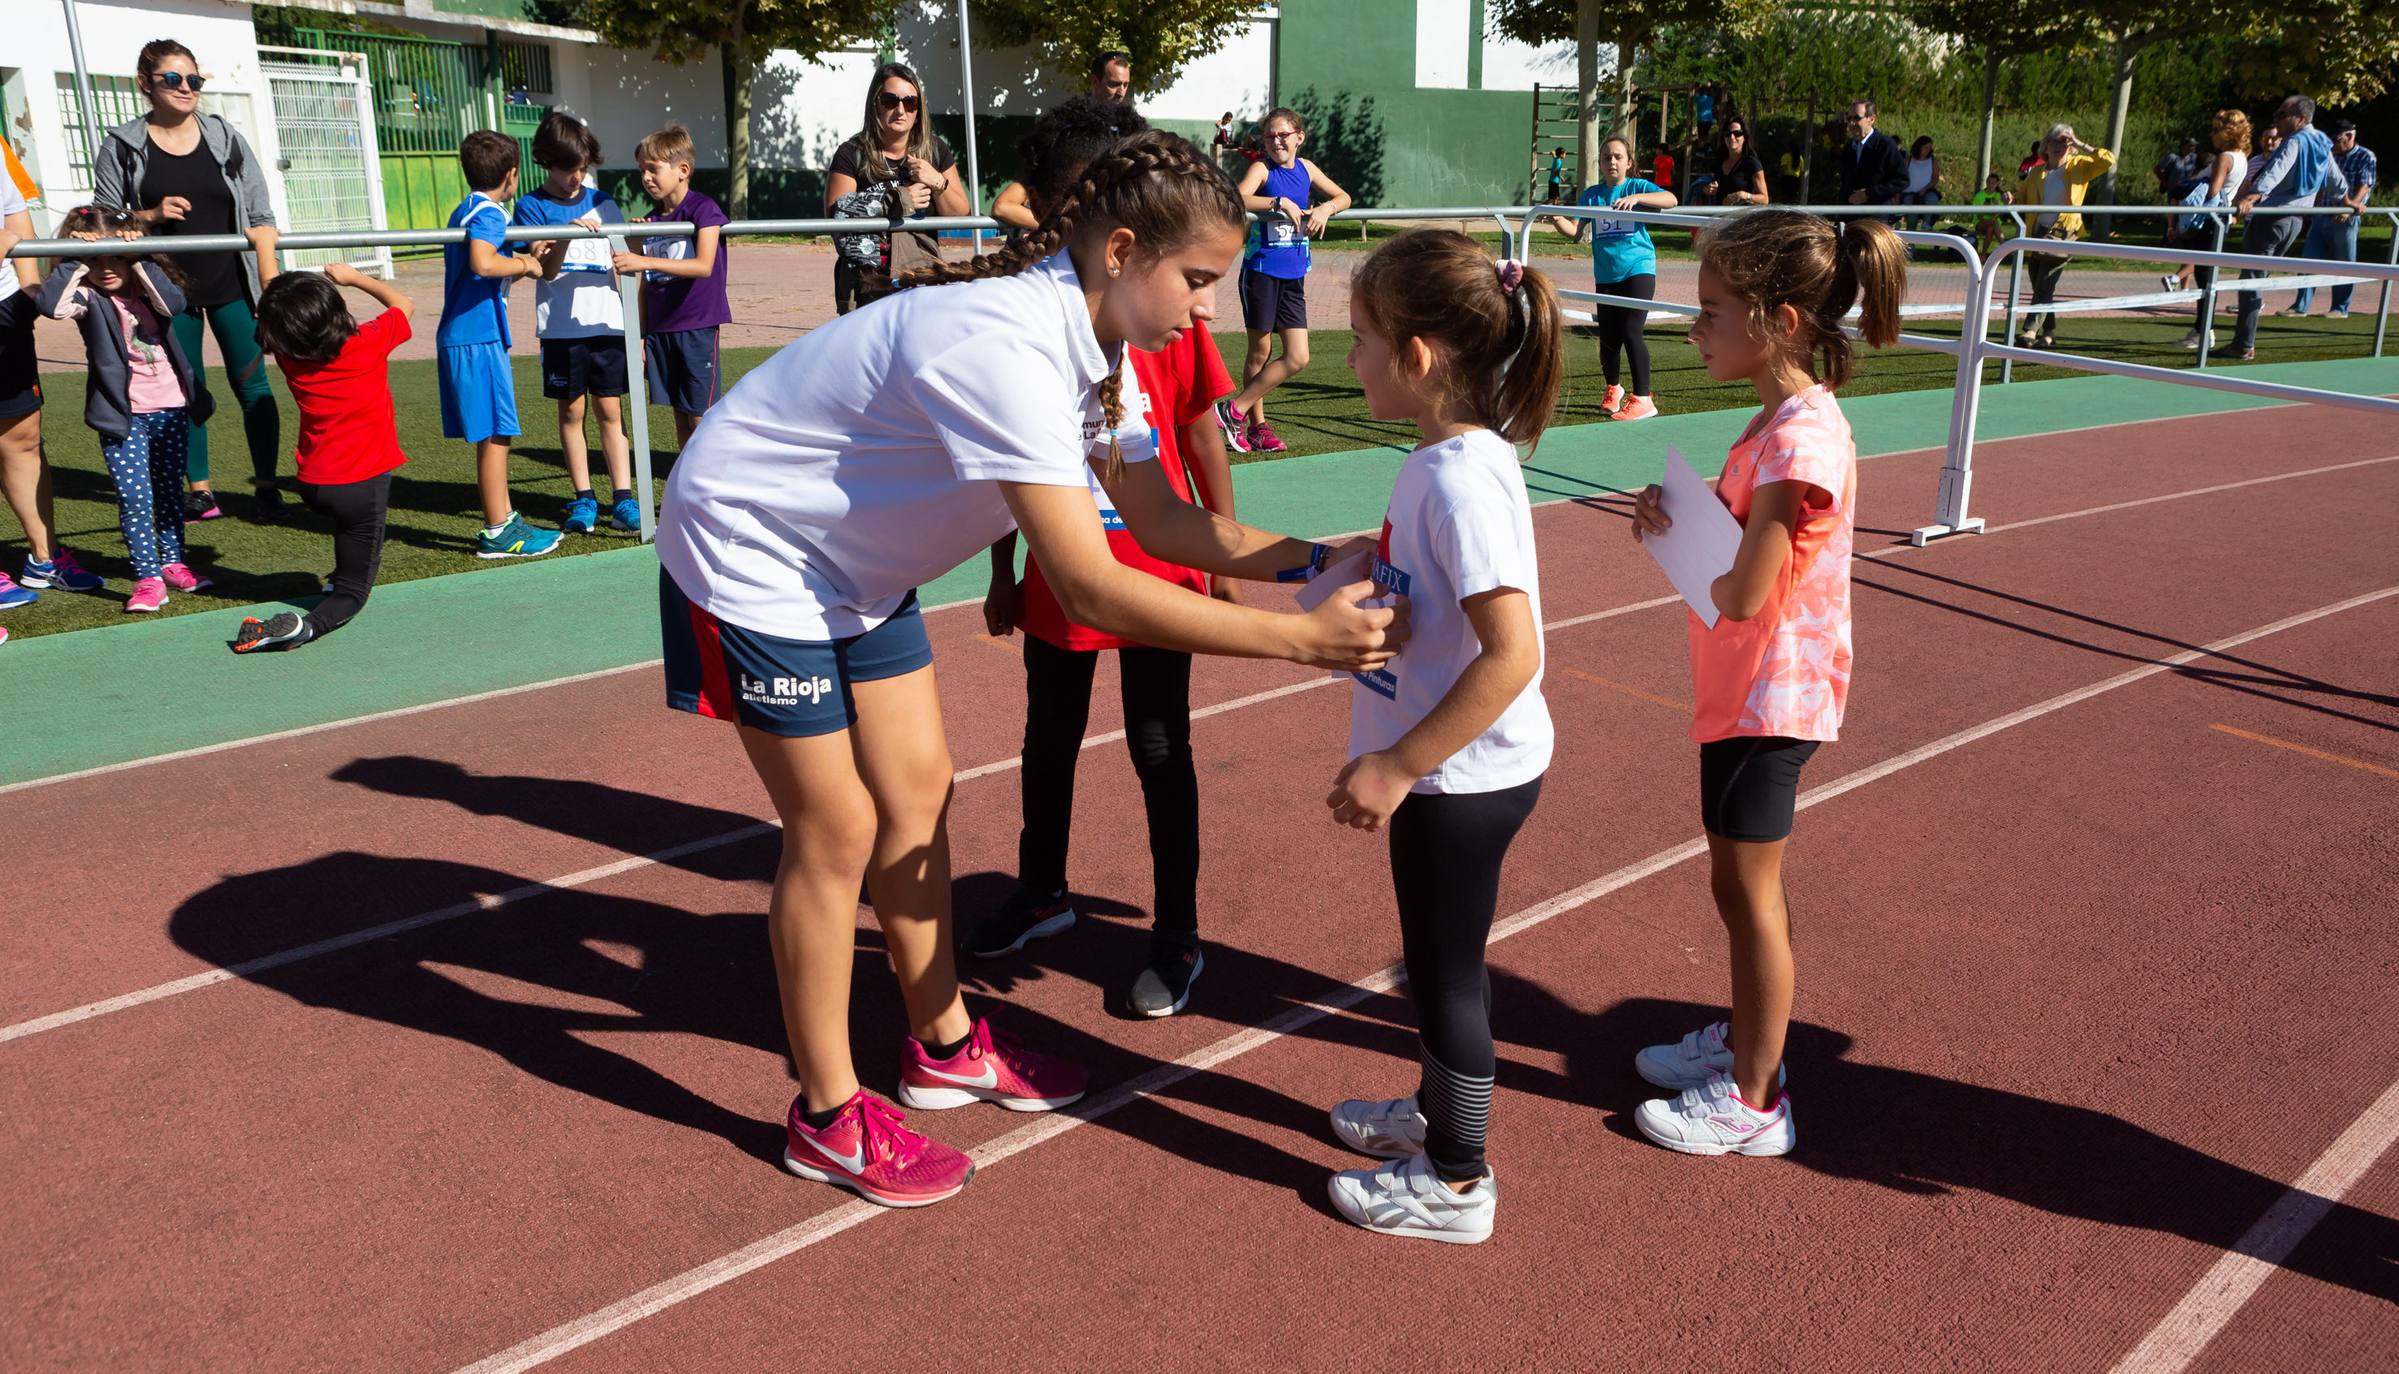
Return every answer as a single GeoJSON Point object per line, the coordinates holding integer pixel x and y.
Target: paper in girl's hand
{"type": "Point", "coordinates": [1703, 541]}
{"type": "Point", "coordinates": [1333, 579]}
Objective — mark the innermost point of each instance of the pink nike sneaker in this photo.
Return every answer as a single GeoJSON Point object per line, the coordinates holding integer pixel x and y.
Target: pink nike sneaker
{"type": "Point", "coordinates": [992, 1068]}
{"type": "Point", "coordinates": [181, 577]}
{"type": "Point", "coordinates": [1611, 401]}
{"type": "Point", "coordinates": [1263, 439]}
{"type": "Point", "coordinates": [869, 1152]}
{"type": "Point", "coordinates": [1636, 408]}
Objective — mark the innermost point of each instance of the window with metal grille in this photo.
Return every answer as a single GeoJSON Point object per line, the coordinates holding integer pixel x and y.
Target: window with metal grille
{"type": "Point", "coordinates": [525, 66]}
{"type": "Point", "coordinates": [116, 99]}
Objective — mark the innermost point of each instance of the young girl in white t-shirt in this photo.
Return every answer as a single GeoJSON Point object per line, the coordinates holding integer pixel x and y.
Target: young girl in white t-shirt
{"type": "Point", "coordinates": [882, 450]}
{"type": "Point", "coordinates": [1449, 741]}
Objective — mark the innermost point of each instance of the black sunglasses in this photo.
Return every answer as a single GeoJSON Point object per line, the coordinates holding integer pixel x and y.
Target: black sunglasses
{"type": "Point", "coordinates": [175, 81]}
{"type": "Point", "coordinates": [892, 101]}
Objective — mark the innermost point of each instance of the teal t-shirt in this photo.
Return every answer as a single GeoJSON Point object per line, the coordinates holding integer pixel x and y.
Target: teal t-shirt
{"type": "Point", "coordinates": [1620, 248]}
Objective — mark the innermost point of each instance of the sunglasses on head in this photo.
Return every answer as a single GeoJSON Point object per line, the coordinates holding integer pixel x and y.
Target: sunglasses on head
{"type": "Point", "coordinates": [892, 100]}
{"type": "Point", "coordinates": [176, 81]}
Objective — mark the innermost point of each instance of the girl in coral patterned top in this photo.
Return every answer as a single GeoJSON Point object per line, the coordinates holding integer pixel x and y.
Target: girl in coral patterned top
{"type": "Point", "coordinates": [1772, 677]}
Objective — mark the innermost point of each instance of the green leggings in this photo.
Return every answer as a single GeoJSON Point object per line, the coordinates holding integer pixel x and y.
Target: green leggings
{"type": "Point", "coordinates": [246, 367]}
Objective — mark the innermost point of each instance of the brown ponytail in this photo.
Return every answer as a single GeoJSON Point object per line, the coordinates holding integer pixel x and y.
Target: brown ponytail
{"type": "Point", "coordinates": [1772, 258]}
{"type": "Point", "coordinates": [1500, 343]}
{"type": "Point", "coordinates": [1154, 183]}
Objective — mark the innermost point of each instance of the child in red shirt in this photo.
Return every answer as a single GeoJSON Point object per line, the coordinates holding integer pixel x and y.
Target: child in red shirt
{"type": "Point", "coordinates": [338, 371]}
{"type": "Point", "coordinates": [1168, 406]}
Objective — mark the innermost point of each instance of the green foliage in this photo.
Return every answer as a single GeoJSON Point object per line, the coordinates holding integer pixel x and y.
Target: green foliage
{"type": "Point", "coordinates": [1161, 39]}
{"type": "Point", "coordinates": [680, 31]}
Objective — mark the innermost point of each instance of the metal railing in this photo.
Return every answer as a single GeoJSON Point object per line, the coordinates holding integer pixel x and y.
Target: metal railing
{"type": "Point", "coordinates": [1515, 225]}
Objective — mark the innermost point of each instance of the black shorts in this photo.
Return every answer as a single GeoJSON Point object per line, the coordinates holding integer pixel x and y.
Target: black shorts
{"type": "Point", "coordinates": [1749, 785]}
{"type": "Point", "coordinates": [583, 367]}
{"type": "Point", "coordinates": [681, 368]}
{"type": "Point", "coordinates": [20, 377]}
{"type": "Point", "coordinates": [1272, 304]}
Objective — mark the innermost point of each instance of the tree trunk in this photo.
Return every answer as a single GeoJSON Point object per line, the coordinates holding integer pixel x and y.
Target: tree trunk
{"type": "Point", "coordinates": [740, 74]}
{"type": "Point", "coordinates": [1586, 112]}
{"type": "Point", "coordinates": [2104, 189]}
{"type": "Point", "coordinates": [1982, 151]}
{"type": "Point", "coordinates": [1807, 151]}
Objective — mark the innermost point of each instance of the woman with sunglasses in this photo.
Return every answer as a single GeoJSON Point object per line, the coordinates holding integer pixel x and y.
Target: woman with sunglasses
{"type": "Point", "coordinates": [898, 154]}
{"type": "Point", "coordinates": [185, 172]}
{"type": "Point", "coordinates": [1740, 172]}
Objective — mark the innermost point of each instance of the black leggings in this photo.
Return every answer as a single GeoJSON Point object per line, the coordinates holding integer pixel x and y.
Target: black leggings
{"type": "Point", "coordinates": [1620, 328]}
{"type": "Point", "coordinates": [356, 509]}
{"type": "Point", "coordinates": [1157, 702]}
{"type": "Point", "coordinates": [1446, 849]}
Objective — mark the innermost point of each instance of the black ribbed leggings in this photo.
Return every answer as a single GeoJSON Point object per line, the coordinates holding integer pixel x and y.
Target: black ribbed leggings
{"type": "Point", "coordinates": [1446, 849]}
{"type": "Point", "coordinates": [357, 511]}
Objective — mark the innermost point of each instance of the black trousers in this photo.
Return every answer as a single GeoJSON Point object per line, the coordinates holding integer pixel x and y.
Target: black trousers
{"type": "Point", "coordinates": [1446, 850]}
{"type": "Point", "coordinates": [1620, 329]}
{"type": "Point", "coordinates": [357, 511]}
{"type": "Point", "coordinates": [1157, 706]}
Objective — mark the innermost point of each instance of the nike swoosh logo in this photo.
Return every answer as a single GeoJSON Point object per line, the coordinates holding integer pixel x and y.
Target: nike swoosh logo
{"type": "Point", "coordinates": [989, 1078]}
{"type": "Point", "coordinates": [855, 1161]}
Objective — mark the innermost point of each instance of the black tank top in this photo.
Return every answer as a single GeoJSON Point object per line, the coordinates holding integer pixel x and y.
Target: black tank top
{"type": "Point", "coordinates": [210, 278]}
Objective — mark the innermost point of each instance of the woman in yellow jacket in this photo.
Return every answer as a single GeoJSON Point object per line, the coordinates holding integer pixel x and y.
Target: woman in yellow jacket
{"type": "Point", "coordinates": [2067, 168]}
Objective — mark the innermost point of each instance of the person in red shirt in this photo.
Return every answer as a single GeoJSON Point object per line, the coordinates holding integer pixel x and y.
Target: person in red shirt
{"type": "Point", "coordinates": [338, 372]}
{"type": "Point", "coordinates": [1661, 169]}
{"type": "Point", "coordinates": [1169, 398]}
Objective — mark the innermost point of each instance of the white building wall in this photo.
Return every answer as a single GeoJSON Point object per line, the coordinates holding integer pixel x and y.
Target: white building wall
{"type": "Point", "coordinates": [36, 51]}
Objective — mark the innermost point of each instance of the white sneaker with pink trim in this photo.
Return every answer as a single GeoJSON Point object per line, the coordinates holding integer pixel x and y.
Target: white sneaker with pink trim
{"type": "Point", "coordinates": [1711, 1119]}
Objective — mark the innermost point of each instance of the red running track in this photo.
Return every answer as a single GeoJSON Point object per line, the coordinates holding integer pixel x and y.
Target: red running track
{"type": "Point", "coordinates": [2080, 999]}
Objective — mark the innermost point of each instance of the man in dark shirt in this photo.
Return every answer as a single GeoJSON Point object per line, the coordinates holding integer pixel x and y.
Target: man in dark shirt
{"type": "Point", "coordinates": [1874, 169]}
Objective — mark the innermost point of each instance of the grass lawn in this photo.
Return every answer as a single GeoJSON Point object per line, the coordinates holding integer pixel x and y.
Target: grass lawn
{"type": "Point", "coordinates": [433, 518]}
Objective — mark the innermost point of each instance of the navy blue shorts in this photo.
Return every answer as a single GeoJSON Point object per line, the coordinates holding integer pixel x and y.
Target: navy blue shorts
{"type": "Point", "coordinates": [593, 366]}
{"type": "Point", "coordinates": [681, 368]}
{"type": "Point", "coordinates": [1270, 305]}
{"type": "Point", "coordinates": [20, 376]}
{"type": "Point", "coordinates": [1749, 786]}
{"type": "Point", "coordinates": [789, 687]}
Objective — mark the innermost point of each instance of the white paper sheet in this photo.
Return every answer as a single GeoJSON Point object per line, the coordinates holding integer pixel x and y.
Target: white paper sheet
{"type": "Point", "coordinates": [1700, 547]}
{"type": "Point", "coordinates": [1332, 579]}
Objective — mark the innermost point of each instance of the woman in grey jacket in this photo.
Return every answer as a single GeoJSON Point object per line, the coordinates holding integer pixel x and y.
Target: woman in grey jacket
{"type": "Point", "coordinates": [184, 172]}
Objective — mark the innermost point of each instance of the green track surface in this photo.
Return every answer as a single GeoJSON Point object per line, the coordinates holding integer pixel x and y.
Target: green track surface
{"type": "Point", "coordinates": [136, 690]}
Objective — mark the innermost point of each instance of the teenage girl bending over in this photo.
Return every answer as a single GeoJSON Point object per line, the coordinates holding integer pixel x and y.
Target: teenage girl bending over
{"type": "Point", "coordinates": [882, 450]}
{"type": "Point", "coordinates": [1772, 678]}
{"type": "Point", "coordinates": [1448, 744]}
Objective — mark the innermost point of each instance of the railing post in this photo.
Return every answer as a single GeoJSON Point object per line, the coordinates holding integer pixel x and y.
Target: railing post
{"type": "Point", "coordinates": [1965, 409]}
{"type": "Point", "coordinates": [637, 392]}
{"type": "Point", "coordinates": [2207, 302]}
{"type": "Point", "coordinates": [2382, 314]}
{"type": "Point", "coordinates": [2015, 289]}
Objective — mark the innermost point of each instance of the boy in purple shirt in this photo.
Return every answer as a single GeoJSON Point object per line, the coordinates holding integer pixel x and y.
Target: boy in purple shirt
{"type": "Point", "coordinates": [683, 282]}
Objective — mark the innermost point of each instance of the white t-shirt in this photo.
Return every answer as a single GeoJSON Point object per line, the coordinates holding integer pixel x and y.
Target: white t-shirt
{"type": "Point", "coordinates": [866, 457]}
{"type": "Point", "coordinates": [1459, 525]}
{"type": "Point", "coordinates": [12, 202]}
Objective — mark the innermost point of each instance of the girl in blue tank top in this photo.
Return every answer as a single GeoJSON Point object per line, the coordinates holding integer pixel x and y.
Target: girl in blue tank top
{"type": "Point", "coordinates": [1292, 199]}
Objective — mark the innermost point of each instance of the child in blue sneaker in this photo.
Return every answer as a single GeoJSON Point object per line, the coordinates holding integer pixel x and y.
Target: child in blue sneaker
{"type": "Point", "coordinates": [581, 321]}
{"type": "Point", "coordinates": [478, 395]}
{"type": "Point", "coordinates": [24, 470]}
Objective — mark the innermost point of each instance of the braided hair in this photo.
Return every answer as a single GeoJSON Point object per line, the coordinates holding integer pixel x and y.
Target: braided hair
{"type": "Point", "coordinates": [1154, 183]}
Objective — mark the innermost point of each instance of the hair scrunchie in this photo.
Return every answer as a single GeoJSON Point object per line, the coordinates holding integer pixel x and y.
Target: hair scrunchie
{"type": "Point", "coordinates": [1511, 274]}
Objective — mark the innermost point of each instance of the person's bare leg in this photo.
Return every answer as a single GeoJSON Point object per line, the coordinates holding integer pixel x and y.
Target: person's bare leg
{"type": "Point", "coordinates": [491, 479]}
{"type": "Point", "coordinates": [1286, 365]}
{"type": "Point", "coordinates": [1747, 880]}
{"type": "Point", "coordinates": [905, 762]}
{"type": "Point", "coordinates": [615, 449]}
{"type": "Point", "coordinates": [684, 425]}
{"type": "Point", "coordinates": [572, 444]}
{"type": "Point", "coordinates": [1253, 362]}
{"type": "Point", "coordinates": [25, 481]}
{"type": "Point", "coordinates": [812, 916]}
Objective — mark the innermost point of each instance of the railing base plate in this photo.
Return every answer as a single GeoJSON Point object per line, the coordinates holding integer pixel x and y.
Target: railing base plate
{"type": "Point", "coordinates": [1972, 524]}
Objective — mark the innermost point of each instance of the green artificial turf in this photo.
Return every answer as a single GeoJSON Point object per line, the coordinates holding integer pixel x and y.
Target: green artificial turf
{"type": "Point", "coordinates": [434, 513]}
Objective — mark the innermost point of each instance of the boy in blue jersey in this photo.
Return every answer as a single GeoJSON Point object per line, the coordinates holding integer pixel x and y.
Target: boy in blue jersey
{"type": "Point", "coordinates": [478, 394]}
{"type": "Point", "coordinates": [1278, 189]}
{"type": "Point", "coordinates": [581, 321]}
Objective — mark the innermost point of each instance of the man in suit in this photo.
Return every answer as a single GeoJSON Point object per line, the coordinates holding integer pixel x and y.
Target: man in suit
{"type": "Point", "coordinates": [1874, 169]}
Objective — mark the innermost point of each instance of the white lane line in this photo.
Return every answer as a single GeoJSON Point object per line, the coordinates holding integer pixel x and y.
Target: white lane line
{"type": "Point", "coordinates": [692, 1282]}
{"type": "Point", "coordinates": [2175, 1342]}
{"type": "Point", "coordinates": [489, 902]}
{"type": "Point", "coordinates": [201, 980]}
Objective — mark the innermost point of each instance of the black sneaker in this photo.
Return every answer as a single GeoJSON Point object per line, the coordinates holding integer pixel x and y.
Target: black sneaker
{"type": "Point", "coordinates": [1022, 919]}
{"type": "Point", "coordinates": [200, 505]}
{"type": "Point", "coordinates": [1164, 984]}
{"type": "Point", "coordinates": [270, 507]}
{"type": "Point", "coordinates": [279, 630]}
